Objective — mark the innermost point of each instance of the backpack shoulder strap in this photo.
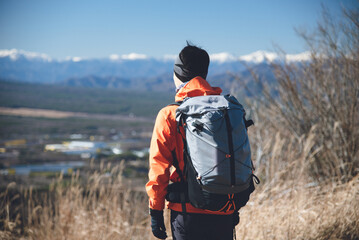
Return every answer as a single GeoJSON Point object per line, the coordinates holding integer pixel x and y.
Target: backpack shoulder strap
{"type": "Point", "coordinates": [174, 158]}
{"type": "Point", "coordinates": [175, 103]}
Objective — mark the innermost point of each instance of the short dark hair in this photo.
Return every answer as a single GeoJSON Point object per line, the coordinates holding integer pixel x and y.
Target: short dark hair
{"type": "Point", "coordinates": [195, 62]}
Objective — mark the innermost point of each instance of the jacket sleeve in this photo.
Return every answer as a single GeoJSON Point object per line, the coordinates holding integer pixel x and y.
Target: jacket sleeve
{"type": "Point", "coordinates": [160, 160]}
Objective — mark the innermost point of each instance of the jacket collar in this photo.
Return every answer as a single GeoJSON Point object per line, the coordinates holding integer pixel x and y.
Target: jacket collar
{"type": "Point", "coordinates": [196, 87]}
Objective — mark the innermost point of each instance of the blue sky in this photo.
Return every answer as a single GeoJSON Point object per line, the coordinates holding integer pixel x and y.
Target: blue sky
{"type": "Point", "coordinates": [96, 29]}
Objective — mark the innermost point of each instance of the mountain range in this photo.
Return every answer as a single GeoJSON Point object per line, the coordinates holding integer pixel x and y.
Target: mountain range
{"type": "Point", "coordinates": [131, 71]}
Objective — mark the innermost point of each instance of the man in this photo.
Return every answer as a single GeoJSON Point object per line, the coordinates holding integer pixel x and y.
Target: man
{"type": "Point", "coordinates": [187, 222]}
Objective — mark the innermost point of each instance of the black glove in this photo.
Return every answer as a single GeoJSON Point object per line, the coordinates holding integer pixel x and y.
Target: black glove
{"type": "Point", "coordinates": [235, 218]}
{"type": "Point", "coordinates": [158, 224]}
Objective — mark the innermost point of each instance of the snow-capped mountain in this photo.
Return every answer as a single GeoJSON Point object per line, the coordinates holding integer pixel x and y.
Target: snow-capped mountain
{"type": "Point", "coordinates": [223, 57]}
{"type": "Point", "coordinates": [15, 54]}
{"type": "Point", "coordinates": [123, 71]}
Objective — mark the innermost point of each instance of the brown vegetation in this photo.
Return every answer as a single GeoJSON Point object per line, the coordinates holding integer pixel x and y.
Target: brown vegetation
{"type": "Point", "coordinates": [102, 208]}
{"type": "Point", "coordinates": [306, 142]}
{"type": "Point", "coordinates": [318, 102]}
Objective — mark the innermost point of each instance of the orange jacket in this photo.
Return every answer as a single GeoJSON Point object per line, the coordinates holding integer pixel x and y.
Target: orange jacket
{"type": "Point", "coordinates": [166, 139]}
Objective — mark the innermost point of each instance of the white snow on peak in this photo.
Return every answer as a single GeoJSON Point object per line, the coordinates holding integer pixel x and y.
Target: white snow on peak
{"type": "Point", "coordinates": [73, 59]}
{"type": "Point", "coordinates": [133, 56]}
{"type": "Point", "coordinates": [114, 57]}
{"type": "Point", "coordinates": [222, 57]}
{"type": "Point", "coordinates": [130, 56]}
{"type": "Point", "coordinates": [14, 54]}
{"type": "Point", "coordinates": [259, 56]}
{"type": "Point", "coordinates": [170, 57]}
{"type": "Point", "coordinates": [304, 56]}
{"type": "Point", "coordinates": [76, 59]}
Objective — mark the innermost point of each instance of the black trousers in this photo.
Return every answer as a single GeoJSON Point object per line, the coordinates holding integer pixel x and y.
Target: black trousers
{"type": "Point", "coordinates": [193, 226]}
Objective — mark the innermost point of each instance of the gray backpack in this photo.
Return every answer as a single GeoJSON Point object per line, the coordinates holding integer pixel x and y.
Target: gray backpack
{"type": "Point", "coordinates": [218, 165]}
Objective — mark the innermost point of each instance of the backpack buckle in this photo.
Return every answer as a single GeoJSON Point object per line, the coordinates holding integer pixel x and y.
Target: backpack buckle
{"type": "Point", "coordinates": [198, 126]}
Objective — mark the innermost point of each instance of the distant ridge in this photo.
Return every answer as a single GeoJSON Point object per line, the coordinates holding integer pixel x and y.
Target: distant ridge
{"type": "Point", "coordinates": [128, 71]}
{"type": "Point", "coordinates": [256, 57]}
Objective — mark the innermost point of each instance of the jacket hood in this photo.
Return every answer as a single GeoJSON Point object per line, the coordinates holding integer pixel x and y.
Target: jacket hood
{"type": "Point", "coordinates": [197, 87]}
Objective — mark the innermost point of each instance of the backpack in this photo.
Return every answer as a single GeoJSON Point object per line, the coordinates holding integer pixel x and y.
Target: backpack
{"type": "Point", "coordinates": [218, 165]}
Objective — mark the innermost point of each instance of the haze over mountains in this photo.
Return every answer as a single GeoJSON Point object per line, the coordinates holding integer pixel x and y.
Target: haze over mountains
{"type": "Point", "coordinates": [130, 71]}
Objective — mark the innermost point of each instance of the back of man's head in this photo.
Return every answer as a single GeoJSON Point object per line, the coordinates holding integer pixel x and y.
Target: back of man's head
{"type": "Point", "coordinates": [191, 62]}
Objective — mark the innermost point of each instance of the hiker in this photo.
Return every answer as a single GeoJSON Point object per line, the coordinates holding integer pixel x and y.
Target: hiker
{"type": "Point", "coordinates": [187, 221]}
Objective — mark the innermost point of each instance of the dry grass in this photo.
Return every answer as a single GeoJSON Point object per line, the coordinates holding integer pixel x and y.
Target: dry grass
{"type": "Point", "coordinates": [105, 209]}
{"type": "Point", "coordinates": [102, 209]}
{"type": "Point", "coordinates": [291, 204]}
{"type": "Point", "coordinates": [298, 210]}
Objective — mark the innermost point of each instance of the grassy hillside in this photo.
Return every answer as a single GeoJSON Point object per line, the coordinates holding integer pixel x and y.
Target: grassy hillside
{"type": "Point", "coordinates": [77, 99]}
